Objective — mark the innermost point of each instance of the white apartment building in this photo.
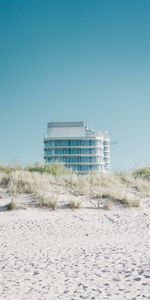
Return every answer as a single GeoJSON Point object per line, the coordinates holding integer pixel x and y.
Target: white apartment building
{"type": "Point", "coordinates": [81, 149]}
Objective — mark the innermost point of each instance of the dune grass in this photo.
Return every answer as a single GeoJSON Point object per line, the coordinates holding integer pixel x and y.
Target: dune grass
{"type": "Point", "coordinates": [142, 173]}
{"type": "Point", "coordinates": [115, 188]}
{"type": "Point", "coordinates": [74, 204]}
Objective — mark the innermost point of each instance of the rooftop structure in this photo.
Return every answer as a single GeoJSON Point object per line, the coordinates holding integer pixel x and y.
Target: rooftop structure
{"type": "Point", "coordinates": [77, 147]}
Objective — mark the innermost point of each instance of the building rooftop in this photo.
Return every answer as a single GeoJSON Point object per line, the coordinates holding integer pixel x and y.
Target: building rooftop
{"type": "Point", "coordinates": [65, 124]}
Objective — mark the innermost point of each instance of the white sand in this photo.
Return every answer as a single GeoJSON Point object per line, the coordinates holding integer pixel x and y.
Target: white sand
{"type": "Point", "coordinates": [82, 254]}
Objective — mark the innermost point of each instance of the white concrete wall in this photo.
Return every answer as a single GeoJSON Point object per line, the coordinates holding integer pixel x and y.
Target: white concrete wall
{"type": "Point", "coordinates": [60, 132]}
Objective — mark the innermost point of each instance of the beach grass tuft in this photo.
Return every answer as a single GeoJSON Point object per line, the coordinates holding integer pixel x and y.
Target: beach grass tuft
{"type": "Point", "coordinates": [116, 188]}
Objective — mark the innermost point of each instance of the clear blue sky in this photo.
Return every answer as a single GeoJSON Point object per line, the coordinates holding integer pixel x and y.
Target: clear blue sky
{"type": "Point", "coordinates": [63, 60]}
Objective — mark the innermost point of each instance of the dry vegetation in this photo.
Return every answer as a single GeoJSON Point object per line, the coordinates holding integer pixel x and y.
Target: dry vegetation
{"type": "Point", "coordinates": [74, 203]}
{"type": "Point", "coordinates": [49, 182]}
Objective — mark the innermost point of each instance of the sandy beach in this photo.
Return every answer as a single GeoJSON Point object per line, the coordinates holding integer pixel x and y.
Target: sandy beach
{"type": "Point", "coordinates": [75, 254]}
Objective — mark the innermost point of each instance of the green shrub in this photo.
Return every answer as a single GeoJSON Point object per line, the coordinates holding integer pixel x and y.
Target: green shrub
{"type": "Point", "coordinates": [54, 169]}
{"type": "Point", "coordinates": [143, 173]}
{"type": "Point", "coordinates": [9, 169]}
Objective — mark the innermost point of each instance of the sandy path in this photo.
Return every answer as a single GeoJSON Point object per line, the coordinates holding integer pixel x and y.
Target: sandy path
{"type": "Point", "coordinates": [83, 254]}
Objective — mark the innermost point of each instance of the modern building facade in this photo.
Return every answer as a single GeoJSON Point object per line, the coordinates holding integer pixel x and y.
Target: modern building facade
{"type": "Point", "coordinates": [77, 147]}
